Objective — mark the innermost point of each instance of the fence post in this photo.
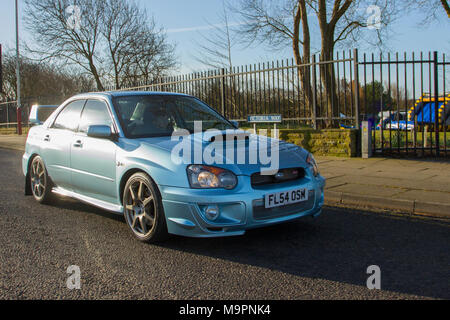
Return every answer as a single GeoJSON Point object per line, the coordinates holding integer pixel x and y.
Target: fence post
{"type": "Point", "coordinates": [366, 140]}
{"type": "Point", "coordinates": [7, 115]}
{"type": "Point", "coordinates": [356, 77]}
{"type": "Point", "coordinates": [314, 98]}
{"type": "Point", "coordinates": [222, 90]}
{"type": "Point", "coordinates": [436, 101]}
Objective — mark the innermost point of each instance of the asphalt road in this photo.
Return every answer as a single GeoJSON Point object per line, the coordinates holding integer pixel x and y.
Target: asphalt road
{"type": "Point", "coordinates": [326, 258]}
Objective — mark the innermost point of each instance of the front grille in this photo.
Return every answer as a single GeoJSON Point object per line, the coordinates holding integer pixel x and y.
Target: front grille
{"type": "Point", "coordinates": [283, 175]}
{"type": "Point", "coordinates": [261, 213]}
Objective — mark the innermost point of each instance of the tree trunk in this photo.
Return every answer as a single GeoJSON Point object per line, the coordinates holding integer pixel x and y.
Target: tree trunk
{"type": "Point", "coordinates": [96, 76]}
{"type": "Point", "coordinates": [446, 7]}
{"type": "Point", "coordinates": [328, 78]}
{"type": "Point", "coordinates": [116, 76]}
{"type": "Point", "coordinates": [301, 16]}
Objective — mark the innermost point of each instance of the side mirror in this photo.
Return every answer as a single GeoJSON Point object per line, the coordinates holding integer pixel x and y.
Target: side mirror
{"type": "Point", "coordinates": [235, 123]}
{"type": "Point", "coordinates": [100, 131]}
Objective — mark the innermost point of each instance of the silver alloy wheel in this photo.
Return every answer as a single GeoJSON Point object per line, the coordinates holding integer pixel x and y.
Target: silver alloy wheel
{"type": "Point", "coordinates": [38, 178]}
{"type": "Point", "coordinates": [140, 209]}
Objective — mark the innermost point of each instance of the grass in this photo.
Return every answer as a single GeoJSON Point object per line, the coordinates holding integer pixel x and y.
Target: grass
{"type": "Point", "coordinates": [12, 130]}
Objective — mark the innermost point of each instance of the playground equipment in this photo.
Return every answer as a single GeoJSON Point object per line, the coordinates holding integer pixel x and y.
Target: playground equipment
{"type": "Point", "coordinates": [424, 110]}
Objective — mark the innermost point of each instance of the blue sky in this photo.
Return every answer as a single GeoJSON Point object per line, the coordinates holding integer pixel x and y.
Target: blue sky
{"type": "Point", "coordinates": [182, 19]}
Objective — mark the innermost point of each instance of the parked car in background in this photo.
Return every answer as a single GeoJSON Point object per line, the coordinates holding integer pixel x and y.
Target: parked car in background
{"type": "Point", "coordinates": [394, 120]}
{"type": "Point", "coordinates": [400, 125]}
{"type": "Point", "coordinates": [113, 150]}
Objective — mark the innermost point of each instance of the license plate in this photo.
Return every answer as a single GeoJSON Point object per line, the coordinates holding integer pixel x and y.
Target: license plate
{"type": "Point", "coordinates": [279, 199]}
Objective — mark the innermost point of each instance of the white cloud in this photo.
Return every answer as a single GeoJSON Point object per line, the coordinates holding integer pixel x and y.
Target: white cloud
{"type": "Point", "coordinates": [208, 27]}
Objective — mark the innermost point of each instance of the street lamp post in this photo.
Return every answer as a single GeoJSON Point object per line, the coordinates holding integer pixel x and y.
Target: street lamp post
{"type": "Point", "coordinates": [19, 109]}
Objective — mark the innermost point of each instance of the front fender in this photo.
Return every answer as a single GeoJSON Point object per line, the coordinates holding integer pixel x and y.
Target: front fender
{"type": "Point", "coordinates": [154, 161]}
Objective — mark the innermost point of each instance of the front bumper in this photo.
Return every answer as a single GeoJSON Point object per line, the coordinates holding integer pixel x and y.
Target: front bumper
{"type": "Point", "coordinates": [240, 209]}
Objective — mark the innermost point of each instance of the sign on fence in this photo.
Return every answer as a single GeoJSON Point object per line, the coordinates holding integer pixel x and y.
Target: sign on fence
{"type": "Point", "coordinates": [273, 118]}
{"type": "Point", "coordinates": [268, 118]}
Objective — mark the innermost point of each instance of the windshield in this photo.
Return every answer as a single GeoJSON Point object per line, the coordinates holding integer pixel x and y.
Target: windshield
{"type": "Point", "coordinates": [161, 115]}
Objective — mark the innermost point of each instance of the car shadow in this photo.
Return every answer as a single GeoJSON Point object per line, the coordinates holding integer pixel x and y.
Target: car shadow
{"type": "Point", "coordinates": [413, 254]}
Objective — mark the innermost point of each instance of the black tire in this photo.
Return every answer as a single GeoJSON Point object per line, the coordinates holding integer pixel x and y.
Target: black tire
{"type": "Point", "coordinates": [143, 209]}
{"type": "Point", "coordinates": [41, 185]}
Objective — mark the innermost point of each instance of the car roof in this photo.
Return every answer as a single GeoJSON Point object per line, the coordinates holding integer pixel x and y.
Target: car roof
{"type": "Point", "coordinates": [115, 94]}
{"type": "Point", "coordinates": [45, 105]}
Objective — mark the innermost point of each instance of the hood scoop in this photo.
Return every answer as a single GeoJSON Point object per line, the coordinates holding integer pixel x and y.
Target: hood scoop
{"type": "Point", "coordinates": [236, 137]}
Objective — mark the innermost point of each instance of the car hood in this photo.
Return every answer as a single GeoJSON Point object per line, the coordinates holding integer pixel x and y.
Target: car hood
{"type": "Point", "coordinates": [226, 152]}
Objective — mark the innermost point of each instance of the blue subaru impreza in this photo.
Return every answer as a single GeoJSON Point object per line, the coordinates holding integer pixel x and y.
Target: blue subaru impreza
{"type": "Point", "coordinates": [170, 164]}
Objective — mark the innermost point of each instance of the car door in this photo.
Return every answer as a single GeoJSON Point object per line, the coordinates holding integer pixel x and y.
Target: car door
{"type": "Point", "coordinates": [93, 160]}
{"type": "Point", "coordinates": [55, 148]}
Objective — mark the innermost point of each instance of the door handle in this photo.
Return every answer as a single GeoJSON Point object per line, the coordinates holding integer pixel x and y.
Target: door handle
{"type": "Point", "coordinates": [78, 144]}
{"type": "Point", "coordinates": [47, 138]}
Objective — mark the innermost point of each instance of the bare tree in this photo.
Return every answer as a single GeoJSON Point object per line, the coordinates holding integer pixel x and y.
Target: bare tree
{"type": "Point", "coordinates": [277, 24]}
{"type": "Point", "coordinates": [138, 52]}
{"type": "Point", "coordinates": [215, 50]}
{"type": "Point", "coordinates": [431, 8]}
{"type": "Point", "coordinates": [59, 40]}
{"type": "Point", "coordinates": [149, 58]}
{"type": "Point", "coordinates": [340, 20]}
{"type": "Point", "coordinates": [42, 82]}
{"type": "Point", "coordinates": [280, 22]}
{"type": "Point", "coordinates": [101, 37]}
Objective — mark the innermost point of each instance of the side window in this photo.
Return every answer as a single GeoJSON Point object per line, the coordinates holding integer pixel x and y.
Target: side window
{"type": "Point", "coordinates": [95, 113]}
{"type": "Point", "coordinates": [69, 117]}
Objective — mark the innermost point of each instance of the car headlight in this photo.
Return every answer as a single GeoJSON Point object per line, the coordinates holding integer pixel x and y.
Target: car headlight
{"type": "Point", "coordinates": [207, 177]}
{"type": "Point", "coordinates": [313, 164]}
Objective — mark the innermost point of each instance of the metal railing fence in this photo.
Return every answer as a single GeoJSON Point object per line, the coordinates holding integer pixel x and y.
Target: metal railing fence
{"type": "Point", "coordinates": [388, 90]}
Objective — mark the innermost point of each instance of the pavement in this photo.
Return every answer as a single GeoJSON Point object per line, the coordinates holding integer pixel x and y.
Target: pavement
{"type": "Point", "coordinates": [13, 142]}
{"type": "Point", "coordinates": [323, 258]}
{"type": "Point", "coordinates": [406, 186]}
